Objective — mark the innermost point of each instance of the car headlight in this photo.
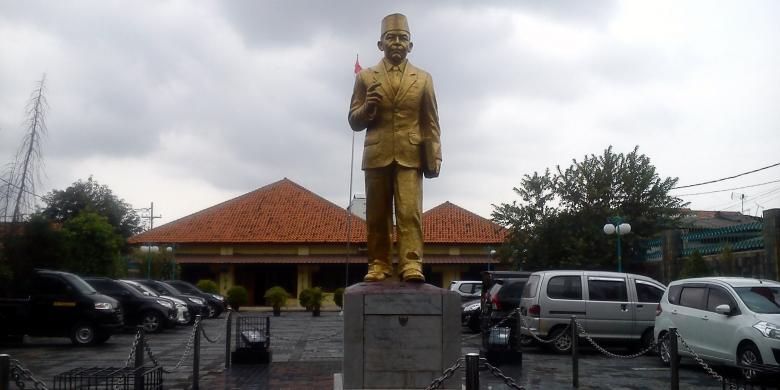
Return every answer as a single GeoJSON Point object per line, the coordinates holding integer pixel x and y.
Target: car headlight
{"type": "Point", "coordinates": [768, 329]}
{"type": "Point", "coordinates": [218, 297]}
{"type": "Point", "coordinates": [165, 304]}
{"type": "Point", "coordinates": [104, 306]}
{"type": "Point", "coordinates": [195, 300]}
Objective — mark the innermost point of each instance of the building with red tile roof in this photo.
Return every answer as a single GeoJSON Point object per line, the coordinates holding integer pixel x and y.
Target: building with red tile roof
{"type": "Point", "coordinates": [283, 234]}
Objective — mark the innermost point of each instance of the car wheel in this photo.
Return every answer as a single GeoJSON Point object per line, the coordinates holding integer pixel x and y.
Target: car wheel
{"type": "Point", "coordinates": [749, 354]}
{"type": "Point", "coordinates": [83, 333]}
{"type": "Point", "coordinates": [664, 350]}
{"type": "Point", "coordinates": [212, 311]}
{"type": "Point", "coordinates": [152, 322]}
{"type": "Point", "coordinates": [646, 341]}
{"type": "Point", "coordinates": [562, 343]}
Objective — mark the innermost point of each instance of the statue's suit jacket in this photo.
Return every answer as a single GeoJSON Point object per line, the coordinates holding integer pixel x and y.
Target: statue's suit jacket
{"type": "Point", "coordinates": [405, 127]}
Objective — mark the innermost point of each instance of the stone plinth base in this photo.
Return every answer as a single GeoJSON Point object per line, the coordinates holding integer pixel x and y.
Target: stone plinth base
{"type": "Point", "coordinates": [399, 335]}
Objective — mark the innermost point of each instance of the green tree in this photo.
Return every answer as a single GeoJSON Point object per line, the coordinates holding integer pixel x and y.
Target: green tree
{"type": "Point", "coordinates": [89, 195]}
{"type": "Point", "coordinates": [36, 244]}
{"type": "Point", "coordinates": [557, 223]}
{"type": "Point", "coordinates": [93, 246]}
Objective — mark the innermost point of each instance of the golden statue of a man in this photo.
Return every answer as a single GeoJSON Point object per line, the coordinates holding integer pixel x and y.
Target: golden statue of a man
{"type": "Point", "coordinates": [395, 102]}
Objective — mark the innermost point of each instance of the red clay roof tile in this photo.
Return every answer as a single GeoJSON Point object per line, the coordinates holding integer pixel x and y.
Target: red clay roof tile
{"type": "Point", "coordinates": [285, 212]}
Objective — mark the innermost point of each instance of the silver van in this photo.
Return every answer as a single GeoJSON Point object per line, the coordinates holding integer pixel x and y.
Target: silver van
{"type": "Point", "coordinates": [609, 305]}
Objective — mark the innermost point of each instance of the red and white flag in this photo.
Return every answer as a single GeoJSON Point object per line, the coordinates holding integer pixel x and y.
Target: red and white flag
{"type": "Point", "coordinates": [358, 68]}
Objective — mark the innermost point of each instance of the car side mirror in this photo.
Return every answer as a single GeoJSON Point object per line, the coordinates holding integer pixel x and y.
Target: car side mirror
{"type": "Point", "coordinates": [723, 309]}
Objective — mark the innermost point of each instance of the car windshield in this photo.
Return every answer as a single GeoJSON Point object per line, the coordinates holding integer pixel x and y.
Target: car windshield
{"type": "Point", "coordinates": [167, 289]}
{"type": "Point", "coordinates": [79, 283]}
{"type": "Point", "coordinates": [140, 287]}
{"type": "Point", "coordinates": [761, 299]}
{"type": "Point", "coordinates": [185, 287]}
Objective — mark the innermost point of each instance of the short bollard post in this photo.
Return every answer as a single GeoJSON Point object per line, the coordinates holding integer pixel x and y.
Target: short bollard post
{"type": "Point", "coordinates": [268, 332]}
{"type": "Point", "coordinates": [5, 372]}
{"type": "Point", "coordinates": [472, 371]}
{"type": "Point", "coordinates": [674, 360]}
{"type": "Point", "coordinates": [196, 355]}
{"type": "Point", "coordinates": [138, 375]}
{"type": "Point", "coordinates": [228, 329]}
{"type": "Point", "coordinates": [519, 333]}
{"type": "Point", "coordinates": [575, 363]}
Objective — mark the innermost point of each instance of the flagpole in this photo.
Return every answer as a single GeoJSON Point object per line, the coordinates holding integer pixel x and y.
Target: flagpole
{"type": "Point", "coordinates": [349, 201]}
{"type": "Point", "coordinates": [349, 211]}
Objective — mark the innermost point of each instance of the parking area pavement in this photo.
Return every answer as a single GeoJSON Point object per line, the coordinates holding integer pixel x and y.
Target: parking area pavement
{"type": "Point", "coordinates": [307, 351]}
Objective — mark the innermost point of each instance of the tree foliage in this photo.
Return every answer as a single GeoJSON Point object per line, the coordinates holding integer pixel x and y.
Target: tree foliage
{"type": "Point", "coordinates": [89, 195]}
{"type": "Point", "coordinates": [695, 266]}
{"type": "Point", "coordinates": [93, 246]}
{"type": "Point", "coordinates": [558, 220]}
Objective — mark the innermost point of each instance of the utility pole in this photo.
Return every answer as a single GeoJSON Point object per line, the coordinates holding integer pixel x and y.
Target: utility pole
{"type": "Point", "coordinates": [151, 217]}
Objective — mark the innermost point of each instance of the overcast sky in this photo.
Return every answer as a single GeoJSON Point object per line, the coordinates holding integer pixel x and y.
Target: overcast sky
{"type": "Point", "coordinates": [190, 103]}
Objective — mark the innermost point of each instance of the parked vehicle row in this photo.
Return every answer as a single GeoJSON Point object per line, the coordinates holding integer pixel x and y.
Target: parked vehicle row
{"type": "Point", "coordinates": [89, 310]}
{"type": "Point", "coordinates": [724, 320]}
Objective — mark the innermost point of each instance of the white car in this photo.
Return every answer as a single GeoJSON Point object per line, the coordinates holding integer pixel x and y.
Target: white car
{"type": "Point", "coordinates": [467, 289]}
{"type": "Point", "coordinates": [723, 320]}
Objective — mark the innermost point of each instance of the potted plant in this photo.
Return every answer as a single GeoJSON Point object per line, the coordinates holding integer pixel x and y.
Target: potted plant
{"type": "Point", "coordinates": [338, 297]}
{"type": "Point", "coordinates": [237, 296]}
{"type": "Point", "coordinates": [208, 286]}
{"type": "Point", "coordinates": [276, 297]}
{"type": "Point", "coordinates": [316, 296]}
{"type": "Point", "coordinates": [304, 299]}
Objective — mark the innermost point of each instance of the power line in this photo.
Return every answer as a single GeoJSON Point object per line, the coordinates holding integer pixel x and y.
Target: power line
{"type": "Point", "coordinates": [730, 189]}
{"type": "Point", "coordinates": [18, 188]}
{"type": "Point", "coordinates": [727, 178]}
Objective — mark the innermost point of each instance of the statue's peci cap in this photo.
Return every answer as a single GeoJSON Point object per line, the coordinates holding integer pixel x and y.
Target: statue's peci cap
{"type": "Point", "coordinates": [394, 22]}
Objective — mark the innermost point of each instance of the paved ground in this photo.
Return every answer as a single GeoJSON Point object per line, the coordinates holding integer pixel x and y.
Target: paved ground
{"type": "Point", "coordinates": [307, 351]}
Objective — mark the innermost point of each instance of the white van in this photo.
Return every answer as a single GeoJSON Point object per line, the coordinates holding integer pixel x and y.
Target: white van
{"type": "Point", "coordinates": [609, 305]}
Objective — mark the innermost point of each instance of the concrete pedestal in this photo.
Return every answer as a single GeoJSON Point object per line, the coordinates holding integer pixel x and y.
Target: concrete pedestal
{"type": "Point", "coordinates": [399, 335]}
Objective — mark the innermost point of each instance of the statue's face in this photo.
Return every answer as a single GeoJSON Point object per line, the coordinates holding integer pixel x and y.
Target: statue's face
{"type": "Point", "coordinates": [396, 44]}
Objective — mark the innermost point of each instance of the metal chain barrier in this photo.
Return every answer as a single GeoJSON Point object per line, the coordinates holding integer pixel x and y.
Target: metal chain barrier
{"type": "Point", "coordinates": [436, 383]}
{"type": "Point", "coordinates": [500, 375]}
{"type": "Point", "coordinates": [133, 347]}
{"type": "Point", "coordinates": [592, 342]}
{"type": "Point", "coordinates": [499, 323]}
{"type": "Point", "coordinates": [541, 340]}
{"type": "Point", "coordinates": [21, 374]}
{"type": "Point", "coordinates": [218, 338]}
{"type": "Point", "coordinates": [704, 365]}
{"type": "Point", "coordinates": [187, 349]}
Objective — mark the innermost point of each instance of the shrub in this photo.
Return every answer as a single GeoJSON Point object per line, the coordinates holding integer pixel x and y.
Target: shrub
{"type": "Point", "coordinates": [304, 298]}
{"type": "Point", "coordinates": [276, 296]}
{"type": "Point", "coordinates": [208, 286]}
{"type": "Point", "coordinates": [237, 296]}
{"type": "Point", "coordinates": [316, 296]}
{"type": "Point", "coordinates": [338, 297]}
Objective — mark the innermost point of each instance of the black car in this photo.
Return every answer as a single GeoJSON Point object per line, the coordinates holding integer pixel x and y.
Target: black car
{"type": "Point", "coordinates": [196, 305]}
{"type": "Point", "coordinates": [469, 316]}
{"type": "Point", "coordinates": [215, 302]}
{"type": "Point", "coordinates": [153, 314]}
{"type": "Point", "coordinates": [56, 303]}
{"type": "Point", "coordinates": [501, 291]}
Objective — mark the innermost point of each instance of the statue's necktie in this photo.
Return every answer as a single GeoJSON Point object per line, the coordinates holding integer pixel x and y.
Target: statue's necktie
{"type": "Point", "coordinates": [395, 78]}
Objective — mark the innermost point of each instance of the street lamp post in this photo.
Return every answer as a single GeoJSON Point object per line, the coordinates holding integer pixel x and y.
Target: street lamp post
{"type": "Point", "coordinates": [171, 250]}
{"type": "Point", "coordinates": [618, 227]}
{"type": "Point", "coordinates": [492, 254]}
